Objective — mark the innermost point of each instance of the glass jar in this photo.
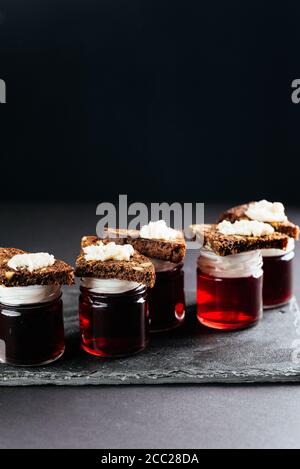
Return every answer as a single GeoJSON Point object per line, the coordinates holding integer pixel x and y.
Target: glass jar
{"type": "Point", "coordinates": [31, 333]}
{"type": "Point", "coordinates": [278, 276]}
{"type": "Point", "coordinates": [229, 290]}
{"type": "Point", "coordinates": [166, 298]}
{"type": "Point", "coordinates": [113, 324]}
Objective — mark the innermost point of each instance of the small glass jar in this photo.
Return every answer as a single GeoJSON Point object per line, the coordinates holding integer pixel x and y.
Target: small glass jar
{"type": "Point", "coordinates": [32, 334]}
{"type": "Point", "coordinates": [229, 290]}
{"type": "Point", "coordinates": [166, 298]}
{"type": "Point", "coordinates": [278, 276]}
{"type": "Point", "coordinates": [113, 324]}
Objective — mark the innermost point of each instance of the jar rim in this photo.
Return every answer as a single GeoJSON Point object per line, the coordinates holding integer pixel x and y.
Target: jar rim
{"type": "Point", "coordinates": [241, 255]}
{"type": "Point", "coordinates": [246, 264]}
{"type": "Point", "coordinates": [280, 252]}
{"type": "Point", "coordinates": [29, 295]}
{"type": "Point", "coordinates": [33, 305]}
{"type": "Point", "coordinates": [166, 266]}
{"type": "Point", "coordinates": [141, 289]}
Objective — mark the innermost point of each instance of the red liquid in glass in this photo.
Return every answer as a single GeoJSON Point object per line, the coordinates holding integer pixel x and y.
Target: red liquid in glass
{"type": "Point", "coordinates": [31, 334]}
{"type": "Point", "coordinates": [278, 280]}
{"type": "Point", "coordinates": [228, 303]}
{"type": "Point", "coordinates": [114, 325]}
{"type": "Point", "coordinates": [167, 300]}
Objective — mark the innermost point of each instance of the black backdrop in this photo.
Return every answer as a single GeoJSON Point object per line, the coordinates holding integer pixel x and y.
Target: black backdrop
{"type": "Point", "coordinates": [161, 100]}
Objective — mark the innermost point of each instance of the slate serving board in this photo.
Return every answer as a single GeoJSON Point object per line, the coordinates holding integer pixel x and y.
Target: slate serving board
{"type": "Point", "coordinates": [269, 352]}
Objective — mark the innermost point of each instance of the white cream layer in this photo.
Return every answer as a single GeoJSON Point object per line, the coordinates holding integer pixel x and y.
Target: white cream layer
{"type": "Point", "coordinates": [245, 228]}
{"type": "Point", "coordinates": [31, 261]}
{"type": "Point", "coordinates": [158, 230]}
{"type": "Point", "coordinates": [108, 286]}
{"type": "Point", "coordinates": [265, 211]}
{"type": "Point", "coordinates": [111, 251]}
{"type": "Point", "coordinates": [17, 296]}
{"type": "Point", "coordinates": [248, 264]}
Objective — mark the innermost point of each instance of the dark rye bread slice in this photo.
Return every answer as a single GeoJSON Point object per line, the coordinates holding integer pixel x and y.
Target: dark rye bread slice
{"type": "Point", "coordinates": [225, 245]}
{"type": "Point", "coordinates": [59, 273]}
{"type": "Point", "coordinates": [138, 269]}
{"type": "Point", "coordinates": [166, 250]}
{"type": "Point", "coordinates": [238, 213]}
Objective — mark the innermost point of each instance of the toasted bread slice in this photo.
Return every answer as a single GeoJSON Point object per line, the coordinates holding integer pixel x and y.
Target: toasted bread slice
{"type": "Point", "coordinates": [59, 273]}
{"type": "Point", "coordinates": [167, 250]}
{"type": "Point", "coordinates": [239, 213]}
{"type": "Point", "coordinates": [225, 245]}
{"type": "Point", "coordinates": [138, 269]}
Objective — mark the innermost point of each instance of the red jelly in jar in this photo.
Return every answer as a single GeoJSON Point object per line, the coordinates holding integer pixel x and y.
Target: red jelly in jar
{"type": "Point", "coordinates": [32, 332]}
{"type": "Point", "coordinates": [229, 290]}
{"type": "Point", "coordinates": [114, 318]}
{"type": "Point", "coordinates": [278, 276]}
{"type": "Point", "coordinates": [166, 299]}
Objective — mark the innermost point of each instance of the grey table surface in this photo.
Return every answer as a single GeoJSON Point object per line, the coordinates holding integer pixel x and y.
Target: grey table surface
{"type": "Point", "coordinates": [185, 416]}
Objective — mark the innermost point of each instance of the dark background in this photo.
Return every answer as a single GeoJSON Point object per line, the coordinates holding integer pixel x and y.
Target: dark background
{"type": "Point", "coordinates": [161, 100]}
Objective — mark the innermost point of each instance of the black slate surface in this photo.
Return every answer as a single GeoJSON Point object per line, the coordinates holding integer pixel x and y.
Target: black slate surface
{"type": "Point", "coordinates": [269, 352]}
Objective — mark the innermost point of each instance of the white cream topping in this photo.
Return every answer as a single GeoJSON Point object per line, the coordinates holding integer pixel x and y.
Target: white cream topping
{"type": "Point", "coordinates": [31, 262]}
{"type": "Point", "coordinates": [158, 230]}
{"type": "Point", "coordinates": [279, 252]}
{"type": "Point", "coordinates": [16, 296]}
{"type": "Point", "coordinates": [245, 228]}
{"type": "Point", "coordinates": [266, 211]}
{"type": "Point", "coordinates": [246, 264]}
{"type": "Point", "coordinates": [111, 251]}
{"type": "Point", "coordinates": [108, 286]}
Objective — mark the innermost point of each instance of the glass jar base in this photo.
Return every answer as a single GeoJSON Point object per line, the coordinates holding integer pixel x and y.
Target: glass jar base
{"type": "Point", "coordinates": [10, 362]}
{"type": "Point", "coordinates": [108, 354]}
{"type": "Point", "coordinates": [279, 305]}
{"type": "Point", "coordinates": [157, 329]}
{"type": "Point", "coordinates": [227, 325]}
